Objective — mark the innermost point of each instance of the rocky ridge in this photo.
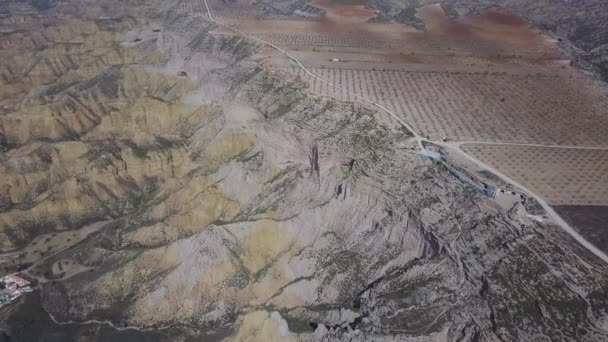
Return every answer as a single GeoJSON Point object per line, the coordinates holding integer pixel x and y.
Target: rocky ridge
{"type": "Point", "coordinates": [221, 199]}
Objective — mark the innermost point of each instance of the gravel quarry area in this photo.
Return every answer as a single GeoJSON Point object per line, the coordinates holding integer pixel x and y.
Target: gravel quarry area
{"type": "Point", "coordinates": [166, 175]}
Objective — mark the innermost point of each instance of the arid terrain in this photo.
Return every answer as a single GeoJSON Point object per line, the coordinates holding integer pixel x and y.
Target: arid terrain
{"type": "Point", "coordinates": [490, 77]}
{"type": "Point", "coordinates": [208, 170]}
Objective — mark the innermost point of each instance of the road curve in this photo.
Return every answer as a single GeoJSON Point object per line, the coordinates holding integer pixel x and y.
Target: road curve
{"type": "Point", "coordinates": [453, 147]}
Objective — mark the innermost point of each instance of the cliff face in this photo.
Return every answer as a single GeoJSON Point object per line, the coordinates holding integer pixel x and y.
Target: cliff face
{"type": "Point", "coordinates": [156, 177]}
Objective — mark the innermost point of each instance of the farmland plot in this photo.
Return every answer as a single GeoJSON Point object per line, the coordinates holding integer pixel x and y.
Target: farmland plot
{"type": "Point", "coordinates": [218, 8]}
{"type": "Point", "coordinates": [191, 7]}
{"type": "Point", "coordinates": [328, 39]}
{"type": "Point", "coordinates": [398, 57]}
{"type": "Point", "coordinates": [478, 107]}
{"type": "Point", "coordinates": [334, 40]}
{"type": "Point", "coordinates": [562, 176]}
{"type": "Point", "coordinates": [350, 27]}
{"type": "Point", "coordinates": [589, 220]}
{"type": "Point", "coordinates": [221, 8]}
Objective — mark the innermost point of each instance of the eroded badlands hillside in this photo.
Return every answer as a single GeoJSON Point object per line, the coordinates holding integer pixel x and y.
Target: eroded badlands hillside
{"type": "Point", "coordinates": [161, 184]}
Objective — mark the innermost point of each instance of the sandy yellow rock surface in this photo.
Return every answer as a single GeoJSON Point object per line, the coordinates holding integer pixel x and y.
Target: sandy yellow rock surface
{"type": "Point", "coordinates": [262, 326]}
{"type": "Point", "coordinates": [264, 244]}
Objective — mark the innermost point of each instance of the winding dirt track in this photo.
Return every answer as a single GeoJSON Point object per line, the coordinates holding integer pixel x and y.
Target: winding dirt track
{"type": "Point", "coordinates": [453, 147]}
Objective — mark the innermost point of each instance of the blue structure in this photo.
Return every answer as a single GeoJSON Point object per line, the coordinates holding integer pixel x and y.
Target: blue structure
{"type": "Point", "coordinates": [487, 190]}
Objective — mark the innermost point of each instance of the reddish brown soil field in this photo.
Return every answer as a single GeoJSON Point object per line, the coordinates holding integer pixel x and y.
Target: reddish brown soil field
{"type": "Point", "coordinates": [344, 18]}
{"type": "Point", "coordinates": [501, 18]}
{"type": "Point", "coordinates": [489, 30]}
{"type": "Point", "coordinates": [337, 11]}
{"type": "Point", "coordinates": [489, 34]}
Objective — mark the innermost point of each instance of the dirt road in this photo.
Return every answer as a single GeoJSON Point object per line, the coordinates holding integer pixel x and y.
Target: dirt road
{"type": "Point", "coordinates": [450, 147]}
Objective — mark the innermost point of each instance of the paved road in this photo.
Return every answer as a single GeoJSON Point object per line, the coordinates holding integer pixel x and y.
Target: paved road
{"type": "Point", "coordinates": [453, 147]}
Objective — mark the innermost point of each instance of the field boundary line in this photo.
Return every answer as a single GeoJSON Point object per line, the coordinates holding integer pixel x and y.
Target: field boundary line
{"type": "Point", "coordinates": [572, 147]}
{"type": "Point", "coordinates": [419, 139]}
{"type": "Point", "coordinates": [297, 61]}
{"type": "Point", "coordinates": [543, 203]}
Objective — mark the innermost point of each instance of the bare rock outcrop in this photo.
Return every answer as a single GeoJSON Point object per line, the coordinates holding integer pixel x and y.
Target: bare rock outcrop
{"type": "Point", "coordinates": [227, 202]}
